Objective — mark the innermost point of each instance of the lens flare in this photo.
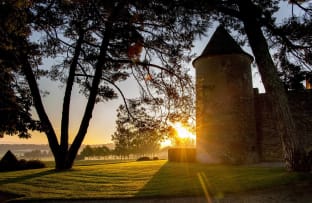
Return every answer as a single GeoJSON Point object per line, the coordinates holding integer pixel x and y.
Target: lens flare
{"type": "Point", "coordinates": [182, 132]}
{"type": "Point", "coordinates": [183, 137]}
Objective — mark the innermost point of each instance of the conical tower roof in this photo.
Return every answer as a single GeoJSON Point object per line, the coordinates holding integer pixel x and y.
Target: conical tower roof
{"type": "Point", "coordinates": [222, 43]}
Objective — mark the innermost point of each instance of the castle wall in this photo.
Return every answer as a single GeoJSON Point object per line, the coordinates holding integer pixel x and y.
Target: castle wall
{"type": "Point", "coordinates": [234, 124]}
{"type": "Point", "coordinates": [270, 147]}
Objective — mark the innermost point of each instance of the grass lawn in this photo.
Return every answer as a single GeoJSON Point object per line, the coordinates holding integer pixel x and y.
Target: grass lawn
{"type": "Point", "coordinates": [100, 179]}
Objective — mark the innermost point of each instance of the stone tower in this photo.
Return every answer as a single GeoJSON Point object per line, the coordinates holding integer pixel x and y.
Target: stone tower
{"type": "Point", "coordinates": [225, 121]}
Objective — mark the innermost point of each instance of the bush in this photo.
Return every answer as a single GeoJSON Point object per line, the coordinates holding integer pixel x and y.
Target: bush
{"type": "Point", "coordinates": [144, 158]}
{"type": "Point", "coordinates": [8, 162]}
{"type": "Point", "coordinates": [31, 164]}
{"type": "Point", "coordinates": [34, 164]}
{"type": "Point", "coordinates": [22, 164]}
{"type": "Point", "coordinates": [12, 164]}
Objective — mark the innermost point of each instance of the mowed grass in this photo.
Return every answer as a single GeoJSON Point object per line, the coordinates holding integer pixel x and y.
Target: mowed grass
{"type": "Point", "coordinates": [100, 179]}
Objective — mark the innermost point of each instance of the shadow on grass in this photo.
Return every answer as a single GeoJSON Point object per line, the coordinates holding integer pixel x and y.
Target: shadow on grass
{"type": "Point", "coordinates": [194, 179]}
{"type": "Point", "coordinates": [26, 177]}
{"type": "Point", "coordinates": [5, 196]}
{"type": "Point", "coordinates": [175, 180]}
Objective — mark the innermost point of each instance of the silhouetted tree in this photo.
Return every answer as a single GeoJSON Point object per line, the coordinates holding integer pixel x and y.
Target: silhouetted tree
{"type": "Point", "coordinates": [102, 151]}
{"type": "Point", "coordinates": [140, 134]}
{"type": "Point", "coordinates": [98, 44]}
{"type": "Point", "coordinates": [87, 152]}
{"type": "Point", "coordinates": [123, 134]}
{"type": "Point", "coordinates": [37, 154]}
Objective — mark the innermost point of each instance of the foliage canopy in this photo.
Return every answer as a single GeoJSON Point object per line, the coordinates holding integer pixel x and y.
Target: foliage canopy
{"type": "Point", "coordinates": [97, 44]}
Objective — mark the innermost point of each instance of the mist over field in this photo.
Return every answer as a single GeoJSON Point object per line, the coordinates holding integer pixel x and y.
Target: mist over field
{"type": "Point", "coordinates": [20, 149]}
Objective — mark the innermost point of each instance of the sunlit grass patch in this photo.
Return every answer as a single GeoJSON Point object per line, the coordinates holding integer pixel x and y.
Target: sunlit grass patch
{"type": "Point", "coordinates": [93, 181]}
{"type": "Point", "coordinates": [141, 179]}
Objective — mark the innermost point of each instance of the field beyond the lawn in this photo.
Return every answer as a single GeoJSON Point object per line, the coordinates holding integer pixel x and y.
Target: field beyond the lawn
{"type": "Point", "coordinates": [100, 179]}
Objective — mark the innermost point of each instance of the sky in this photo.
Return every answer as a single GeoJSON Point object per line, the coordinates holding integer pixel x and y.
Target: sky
{"type": "Point", "coordinates": [102, 124]}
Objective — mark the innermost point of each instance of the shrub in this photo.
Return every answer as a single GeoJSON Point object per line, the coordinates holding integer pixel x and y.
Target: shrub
{"type": "Point", "coordinates": [144, 158]}
{"type": "Point", "coordinates": [155, 158]}
{"type": "Point", "coordinates": [22, 164]}
{"type": "Point", "coordinates": [8, 162]}
{"type": "Point", "coordinates": [34, 164]}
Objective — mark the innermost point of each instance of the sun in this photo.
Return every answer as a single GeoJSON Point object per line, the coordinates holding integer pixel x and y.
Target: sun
{"type": "Point", "coordinates": [182, 132]}
{"type": "Point", "coordinates": [183, 136]}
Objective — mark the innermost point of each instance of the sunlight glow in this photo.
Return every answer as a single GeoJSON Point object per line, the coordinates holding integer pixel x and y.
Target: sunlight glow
{"type": "Point", "coordinates": [182, 132]}
{"type": "Point", "coordinates": [166, 143]}
{"type": "Point", "coordinates": [183, 137]}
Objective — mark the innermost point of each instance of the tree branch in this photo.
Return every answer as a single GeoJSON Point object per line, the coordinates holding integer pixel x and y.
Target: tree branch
{"type": "Point", "coordinates": [95, 84]}
{"type": "Point", "coordinates": [144, 64]}
{"type": "Point", "coordinates": [67, 95]}
{"type": "Point", "coordinates": [279, 33]}
{"type": "Point", "coordinates": [112, 83]}
{"type": "Point", "coordinates": [309, 10]}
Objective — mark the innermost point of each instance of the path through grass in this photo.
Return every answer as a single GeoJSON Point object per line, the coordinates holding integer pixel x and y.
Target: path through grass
{"type": "Point", "coordinates": [137, 179]}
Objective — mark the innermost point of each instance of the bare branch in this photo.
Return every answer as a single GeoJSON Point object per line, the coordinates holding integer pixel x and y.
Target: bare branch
{"type": "Point", "coordinates": [113, 84]}
{"type": "Point", "coordinates": [141, 63]}
{"type": "Point", "coordinates": [308, 10]}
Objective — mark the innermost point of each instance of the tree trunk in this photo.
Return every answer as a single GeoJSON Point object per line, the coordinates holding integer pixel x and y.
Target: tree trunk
{"type": "Point", "coordinates": [44, 119]}
{"type": "Point", "coordinates": [73, 150]}
{"type": "Point", "coordinates": [295, 156]}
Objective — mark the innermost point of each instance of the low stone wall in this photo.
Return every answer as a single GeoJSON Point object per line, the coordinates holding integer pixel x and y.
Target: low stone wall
{"type": "Point", "coordinates": [182, 154]}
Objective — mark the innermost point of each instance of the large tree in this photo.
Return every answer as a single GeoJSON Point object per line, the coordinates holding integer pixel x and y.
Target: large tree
{"type": "Point", "coordinates": [291, 37]}
{"type": "Point", "coordinates": [98, 44]}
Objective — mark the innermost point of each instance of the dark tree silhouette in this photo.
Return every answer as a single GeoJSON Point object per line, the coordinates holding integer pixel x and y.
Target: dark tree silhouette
{"type": "Point", "coordinates": [89, 151]}
{"type": "Point", "coordinates": [140, 134]}
{"type": "Point", "coordinates": [99, 44]}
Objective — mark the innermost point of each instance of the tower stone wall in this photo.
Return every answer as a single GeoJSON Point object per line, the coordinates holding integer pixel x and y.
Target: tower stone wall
{"type": "Point", "coordinates": [225, 124]}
